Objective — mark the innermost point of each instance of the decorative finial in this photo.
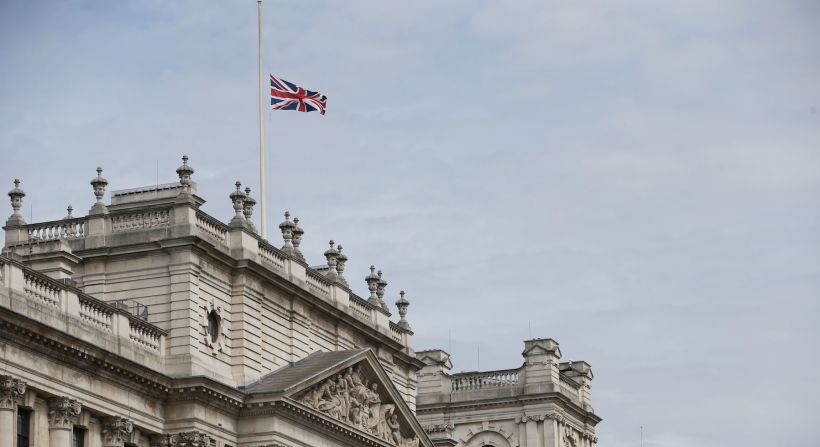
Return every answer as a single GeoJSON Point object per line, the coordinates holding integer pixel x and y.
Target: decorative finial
{"type": "Point", "coordinates": [380, 286]}
{"type": "Point", "coordinates": [247, 209]}
{"type": "Point", "coordinates": [372, 284]}
{"type": "Point", "coordinates": [99, 183]}
{"type": "Point", "coordinates": [340, 267]}
{"type": "Point", "coordinates": [70, 227]}
{"type": "Point", "coordinates": [287, 234]}
{"type": "Point", "coordinates": [402, 305]}
{"type": "Point", "coordinates": [297, 239]}
{"type": "Point", "coordinates": [238, 199]}
{"type": "Point", "coordinates": [331, 255]}
{"type": "Point", "coordinates": [185, 172]}
{"type": "Point", "coordinates": [16, 195]}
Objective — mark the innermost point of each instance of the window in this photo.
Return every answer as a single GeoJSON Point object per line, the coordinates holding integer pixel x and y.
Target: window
{"type": "Point", "coordinates": [23, 427]}
{"type": "Point", "coordinates": [78, 437]}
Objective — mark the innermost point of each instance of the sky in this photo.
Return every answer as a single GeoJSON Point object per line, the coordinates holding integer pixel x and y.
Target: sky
{"type": "Point", "coordinates": [638, 180]}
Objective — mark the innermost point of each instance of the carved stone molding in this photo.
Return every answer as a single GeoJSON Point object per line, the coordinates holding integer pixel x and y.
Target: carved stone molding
{"type": "Point", "coordinates": [349, 398]}
{"type": "Point", "coordinates": [10, 390]}
{"type": "Point", "coordinates": [555, 416]}
{"type": "Point", "coordinates": [63, 412]}
{"type": "Point", "coordinates": [116, 430]}
{"type": "Point", "coordinates": [189, 439]}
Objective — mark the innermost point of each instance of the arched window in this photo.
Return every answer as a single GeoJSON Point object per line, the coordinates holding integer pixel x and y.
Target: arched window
{"type": "Point", "coordinates": [213, 325]}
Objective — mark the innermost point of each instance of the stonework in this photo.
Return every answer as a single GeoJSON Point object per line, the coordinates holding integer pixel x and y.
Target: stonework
{"type": "Point", "coordinates": [148, 322]}
{"type": "Point", "coordinates": [543, 403]}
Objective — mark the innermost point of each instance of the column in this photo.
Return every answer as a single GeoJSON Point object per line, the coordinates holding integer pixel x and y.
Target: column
{"type": "Point", "coordinates": [10, 390]}
{"type": "Point", "coordinates": [62, 414]}
{"type": "Point", "coordinates": [115, 431]}
{"type": "Point", "coordinates": [189, 439]}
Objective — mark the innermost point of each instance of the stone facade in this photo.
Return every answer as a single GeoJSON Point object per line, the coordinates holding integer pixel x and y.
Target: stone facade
{"type": "Point", "coordinates": [543, 403]}
{"type": "Point", "coordinates": [148, 322]}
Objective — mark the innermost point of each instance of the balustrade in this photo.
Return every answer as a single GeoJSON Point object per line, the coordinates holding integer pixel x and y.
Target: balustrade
{"type": "Point", "coordinates": [361, 308]}
{"type": "Point", "coordinates": [211, 227]}
{"type": "Point", "coordinates": [318, 284]}
{"type": "Point", "coordinates": [487, 379]}
{"type": "Point", "coordinates": [144, 335]}
{"type": "Point", "coordinates": [272, 257]}
{"type": "Point", "coordinates": [41, 289]}
{"type": "Point", "coordinates": [58, 229]}
{"type": "Point", "coordinates": [96, 313]}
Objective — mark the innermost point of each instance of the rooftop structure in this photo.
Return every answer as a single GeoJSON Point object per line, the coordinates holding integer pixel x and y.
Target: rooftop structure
{"type": "Point", "coordinates": [148, 322]}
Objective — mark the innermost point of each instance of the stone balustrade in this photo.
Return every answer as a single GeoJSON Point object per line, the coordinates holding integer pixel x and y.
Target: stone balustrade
{"type": "Point", "coordinates": [211, 227]}
{"type": "Point", "coordinates": [96, 313]}
{"type": "Point", "coordinates": [272, 257]}
{"type": "Point", "coordinates": [40, 288]}
{"type": "Point", "coordinates": [58, 229]}
{"type": "Point", "coordinates": [141, 210]}
{"type": "Point", "coordinates": [25, 292]}
{"type": "Point", "coordinates": [485, 379]}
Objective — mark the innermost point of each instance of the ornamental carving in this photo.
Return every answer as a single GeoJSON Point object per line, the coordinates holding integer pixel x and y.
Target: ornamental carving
{"type": "Point", "coordinates": [352, 399]}
{"type": "Point", "coordinates": [116, 430]}
{"type": "Point", "coordinates": [189, 439]}
{"type": "Point", "coordinates": [214, 327]}
{"type": "Point", "coordinates": [10, 390]}
{"type": "Point", "coordinates": [570, 438]}
{"type": "Point", "coordinates": [63, 412]}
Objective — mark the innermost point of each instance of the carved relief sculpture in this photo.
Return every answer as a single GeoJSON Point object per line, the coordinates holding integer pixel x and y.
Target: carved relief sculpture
{"type": "Point", "coordinates": [10, 390]}
{"type": "Point", "coordinates": [116, 430]}
{"type": "Point", "coordinates": [189, 439]}
{"type": "Point", "coordinates": [63, 412]}
{"type": "Point", "coordinates": [352, 399]}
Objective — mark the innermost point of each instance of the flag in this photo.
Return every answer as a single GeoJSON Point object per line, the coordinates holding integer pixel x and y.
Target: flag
{"type": "Point", "coordinates": [287, 96]}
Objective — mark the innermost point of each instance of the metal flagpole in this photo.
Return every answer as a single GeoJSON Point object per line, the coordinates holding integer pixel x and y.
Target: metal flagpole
{"type": "Point", "coordinates": [264, 216]}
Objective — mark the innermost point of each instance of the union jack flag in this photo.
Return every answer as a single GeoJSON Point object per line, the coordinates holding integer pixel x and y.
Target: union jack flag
{"type": "Point", "coordinates": [287, 96]}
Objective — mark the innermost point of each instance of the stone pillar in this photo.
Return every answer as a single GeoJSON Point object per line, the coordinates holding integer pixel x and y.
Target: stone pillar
{"type": "Point", "coordinates": [115, 431]}
{"type": "Point", "coordinates": [10, 390]}
{"type": "Point", "coordinates": [541, 372]}
{"type": "Point", "coordinates": [62, 414]}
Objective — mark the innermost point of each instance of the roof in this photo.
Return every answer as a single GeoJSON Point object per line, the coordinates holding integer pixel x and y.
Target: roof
{"type": "Point", "coordinates": [287, 377]}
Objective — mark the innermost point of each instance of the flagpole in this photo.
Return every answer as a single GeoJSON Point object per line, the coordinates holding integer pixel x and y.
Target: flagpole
{"type": "Point", "coordinates": [264, 216]}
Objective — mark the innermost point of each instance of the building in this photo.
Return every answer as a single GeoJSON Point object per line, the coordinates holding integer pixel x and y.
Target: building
{"type": "Point", "coordinates": [542, 403]}
{"type": "Point", "coordinates": [148, 322]}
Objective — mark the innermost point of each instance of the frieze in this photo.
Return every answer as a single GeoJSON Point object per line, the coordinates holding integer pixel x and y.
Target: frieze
{"type": "Point", "coordinates": [351, 399]}
{"type": "Point", "coordinates": [189, 439]}
{"type": "Point", "coordinates": [63, 412]}
{"type": "Point", "coordinates": [10, 390]}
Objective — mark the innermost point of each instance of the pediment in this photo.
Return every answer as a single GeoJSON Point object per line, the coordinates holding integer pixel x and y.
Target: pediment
{"type": "Point", "coordinates": [350, 388]}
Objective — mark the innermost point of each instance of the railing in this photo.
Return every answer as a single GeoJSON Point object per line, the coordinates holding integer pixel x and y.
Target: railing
{"type": "Point", "coordinates": [41, 289]}
{"type": "Point", "coordinates": [360, 308]}
{"type": "Point", "coordinates": [395, 332]}
{"type": "Point", "coordinates": [272, 256]}
{"type": "Point", "coordinates": [144, 335]}
{"type": "Point", "coordinates": [211, 227]}
{"type": "Point", "coordinates": [57, 229]}
{"type": "Point", "coordinates": [483, 380]}
{"type": "Point", "coordinates": [140, 221]}
{"type": "Point", "coordinates": [317, 283]}
{"type": "Point", "coordinates": [96, 312]}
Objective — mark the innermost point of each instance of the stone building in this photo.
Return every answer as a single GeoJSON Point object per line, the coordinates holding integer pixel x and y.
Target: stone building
{"type": "Point", "coordinates": [148, 322]}
{"type": "Point", "coordinates": [542, 403]}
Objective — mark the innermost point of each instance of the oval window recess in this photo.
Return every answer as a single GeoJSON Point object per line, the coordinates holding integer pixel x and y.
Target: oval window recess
{"type": "Point", "coordinates": [213, 326]}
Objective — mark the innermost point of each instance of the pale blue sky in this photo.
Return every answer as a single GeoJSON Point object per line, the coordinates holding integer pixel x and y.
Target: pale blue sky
{"type": "Point", "coordinates": [638, 180]}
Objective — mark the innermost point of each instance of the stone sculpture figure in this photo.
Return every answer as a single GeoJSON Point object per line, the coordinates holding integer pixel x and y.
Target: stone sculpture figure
{"type": "Point", "coordinates": [351, 398]}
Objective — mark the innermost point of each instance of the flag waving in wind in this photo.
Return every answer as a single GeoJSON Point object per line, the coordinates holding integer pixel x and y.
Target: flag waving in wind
{"type": "Point", "coordinates": [287, 96]}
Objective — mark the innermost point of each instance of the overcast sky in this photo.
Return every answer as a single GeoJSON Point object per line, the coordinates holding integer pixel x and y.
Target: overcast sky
{"type": "Point", "coordinates": [638, 180]}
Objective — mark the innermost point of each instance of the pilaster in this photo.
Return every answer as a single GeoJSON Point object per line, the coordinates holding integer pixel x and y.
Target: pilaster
{"type": "Point", "coordinates": [10, 390]}
{"type": "Point", "coordinates": [62, 415]}
{"type": "Point", "coordinates": [116, 431]}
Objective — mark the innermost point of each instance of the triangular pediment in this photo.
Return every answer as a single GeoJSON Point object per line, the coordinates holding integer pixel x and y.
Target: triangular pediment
{"type": "Point", "coordinates": [349, 387]}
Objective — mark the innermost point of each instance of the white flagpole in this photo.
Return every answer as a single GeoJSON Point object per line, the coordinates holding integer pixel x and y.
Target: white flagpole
{"type": "Point", "coordinates": [264, 216]}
